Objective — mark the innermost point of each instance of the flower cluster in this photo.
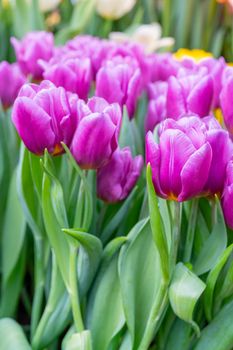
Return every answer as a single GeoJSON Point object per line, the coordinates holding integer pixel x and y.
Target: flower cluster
{"type": "Point", "coordinates": [186, 91]}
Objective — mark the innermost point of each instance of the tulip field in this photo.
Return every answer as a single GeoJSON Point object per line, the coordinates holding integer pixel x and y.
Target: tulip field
{"type": "Point", "coordinates": [116, 175]}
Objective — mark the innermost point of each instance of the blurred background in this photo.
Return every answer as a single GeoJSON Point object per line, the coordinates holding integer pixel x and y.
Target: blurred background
{"type": "Point", "coordinates": [203, 24]}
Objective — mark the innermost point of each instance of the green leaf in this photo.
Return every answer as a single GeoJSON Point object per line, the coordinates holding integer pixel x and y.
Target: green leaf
{"type": "Point", "coordinates": [53, 227]}
{"type": "Point", "coordinates": [105, 315]}
{"type": "Point", "coordinates": [13, 231]}
{"type": "Point", "coordinates": [89, 257]}
{"type": "Point", "coordinates": [213, 246]}
{"type": "Point", "coordinates": [140, 278]}
{"type": "Point", "coordinates": [127, 137]}
{"type": "Point", "coordinates": [179, 336]}
{"type": "Point", "coordinates": [184, 292]}
{"type": "Point", "coordinates": [118, 217]}
{"type": "Point", "coordinates": [218, 335]}
{"type": "Point", "coordinates": [157, 226]}
{"type": "Point", "coordinates": [79, 341]}
{"type": "Point", "coordinates": [12, 336]}
{"type": "Point", "coordinates": [211, 282]}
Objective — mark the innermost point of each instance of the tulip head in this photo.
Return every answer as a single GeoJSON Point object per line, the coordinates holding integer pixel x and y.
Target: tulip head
{"type": "Point", "coordinates": [96, 136]}
{"type": "Point", "coordinates": [178, 160]}
{"type": "Point", "coordinates": [73, 74]}
{"type": "Point", "coordinates": [34, 46]}
{"type": "Point", "coordinates": [192, 94]}
{"type": "Point", "coordinates": [226, 103]}
{"type": "Point", "coordinates": [11, 80]}
{"type": "Point", "coordinates": [43, 118]}
{"type": "Point", "coordinates": [227, 197]}
{"type": "Point", "coordinates": [116, 179]}
{"type": "Point", "coordinates": [120, 81]}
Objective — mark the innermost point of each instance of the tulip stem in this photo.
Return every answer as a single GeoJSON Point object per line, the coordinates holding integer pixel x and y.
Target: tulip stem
{"type": "Point", "coordinates": [73, 289]}
{"type": "Point", "coordinates": [213, 212]}
{"type": "Point", "coordinates": [191, 231]}
{"type": "Point", "coordinates": [175, 233]}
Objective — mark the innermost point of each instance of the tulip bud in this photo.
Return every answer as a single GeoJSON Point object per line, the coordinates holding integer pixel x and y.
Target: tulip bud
{"type": "Point", "coordinates": [227, 197]}
{"type": "Point", "coordinates": [43, 118]}
{"type": "Point", "coordinates": [178, 160]}
{"type": "Point", "coordinates": [96, 136]}
{"type": "Point", "coordinates": [117, 178]}
{"type": "Point", "coordinates": [114, 9]}
{"type": "Point", "coordinates": [73, 74]}
{"type": "Point", "coordinates": [11, 80]}
{"type": "Point", "coordinates": [120, 81]}
{"type": "Point", "coordinates": [226, 103]}
{"type": "Point", "coordinates": [34, 46]}
{"type": "Point", "coordinates": [192, 94]}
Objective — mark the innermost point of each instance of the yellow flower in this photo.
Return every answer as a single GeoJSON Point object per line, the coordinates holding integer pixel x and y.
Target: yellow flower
{"type": "Point", "coordinates": [218, 115]}
{"type": "Point", "coordinates": [196, 54]}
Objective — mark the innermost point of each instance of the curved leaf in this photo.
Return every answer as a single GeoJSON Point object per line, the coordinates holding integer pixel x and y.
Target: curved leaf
{"type": "Point", "coordinates": [12, 336]}
{"type": "Point", "coordinates": [79, 341]}
{"type": "Point", "coordinates": [184, 292]}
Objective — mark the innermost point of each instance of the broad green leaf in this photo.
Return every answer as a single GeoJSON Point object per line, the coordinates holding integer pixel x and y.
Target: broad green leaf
{"type": "Point", "coordinates": [53, 227]}
{"type": "Point", "coordinates": [89, 256]}
{"type": "Point", "coordinates": [213, 246]}
{"type": "Point", "coordinates": [211, 282]}
{"type": "Point", "coordinates": [127, 137]}
{"type": "Point", "coordinates": [184, 292]}
{"type": "Point", "coordinates": [140, 278]}
{"type": "Point", "coordinates": [105, 315]}
{"type": "Point", "coordinates": [157, 226]}
{"type": "Point", "coordinates": [12, 336]}
{"type": "Point", "coordinates": [79, 341]}
{"type": "Point", "coordinates": [13, 231]}
{"type": "Point", "coordinates": [118, 217]}
{"type": "Point", "coordinates": [218, 335]}
{"type": "Point", "coordinates": [179, 336]}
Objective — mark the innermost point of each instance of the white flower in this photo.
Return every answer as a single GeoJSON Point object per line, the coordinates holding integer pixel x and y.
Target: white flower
{"type": "Point", "coordinates": [147, 35]}
{"type": "Point", "coordinates": [114, 9]}
{"type": "Point", "coordinates": [48, 5]}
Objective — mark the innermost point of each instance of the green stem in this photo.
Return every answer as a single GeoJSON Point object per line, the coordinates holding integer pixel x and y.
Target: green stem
{"type": "Point", "coordinates": [39, 284]}
{"type": "Point", "coordinates": [73, 289]}
{"type": "Point", "coordinates": [191, 231]}
{"type": "Point", "coordinates": [175, 233]}
{"type": "Point", "coordinates": [213, 212]}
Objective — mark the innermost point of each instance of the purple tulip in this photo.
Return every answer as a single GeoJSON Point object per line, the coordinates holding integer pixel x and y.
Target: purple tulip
{"type": "Point", "coordinates": [74, 75]}
{"type": "Point", "coordinates": [226, 103]}
{"type": "Point", "coordinates": [11, 80]}
{"type": "Point", "coordinates": [157, 105]}
{"type": "Point", "coordinates": [178, 160]}
{"type": "Point", "coordinates": [43, 118]}
{"type": "Point", "coordinates": [227, 197]}
{"type": "Point", "coordinates": [96, 136]}
{"type": "Point", "coordinates": [117, 178]}
{"type": "Point", "coordinates": [120, 81]}
{"type": "Point", "coordinates": [189, 95]}
{"type": "Point", "coordinates": [164, 67]}
{"type": "Point", "coordinates": [34, 46]}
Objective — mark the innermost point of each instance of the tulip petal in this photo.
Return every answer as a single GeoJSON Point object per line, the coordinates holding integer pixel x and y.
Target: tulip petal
{"type": "Point", "coordinates": [176, 105]}
{"type": "Point", "coordinates": [195, 172]}
{"type": "Point", "coordinates": [201, 96]}
{"type": "Point", "coordinates": [33, 125]}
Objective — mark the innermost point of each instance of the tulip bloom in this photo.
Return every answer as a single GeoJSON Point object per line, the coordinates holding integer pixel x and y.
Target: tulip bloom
{"type": "Point", "coordinates": [117, 178]}
{"type": "Point", "coordinates": [226, 103]}
{"type": "Point", "coordinates": [73, 74]}
{"type": "Point", "coordinates": [11, 80]}
{"type": "Point", "coordinates": [157, 105]}
{"type": "Point", "coordinates": [96, 136]}
{"type": "Point", "coordinates": [227, 197]}
{"type": "Point", "coordinates": [178, 160]}
{"type": "Point", "coordinates": [43, 118]}
{"type": "Point", "coordinates": [120, 81]}
{"type": "Point", "coordinates": [34, 46]}
{"type": "Point", "coordinates": [114, 9]}
{"type": "Point", "coordinates": [192, 94]}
